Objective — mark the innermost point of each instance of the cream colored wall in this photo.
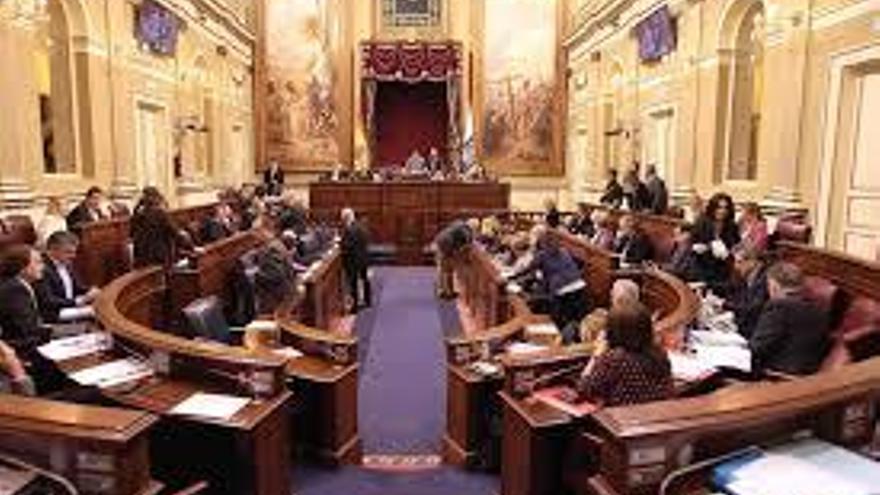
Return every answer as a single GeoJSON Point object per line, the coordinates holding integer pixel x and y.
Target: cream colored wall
{"type": "Point", "coordinates": [802, 38]}
{"type": "Point", "coordinates": [213, 63]}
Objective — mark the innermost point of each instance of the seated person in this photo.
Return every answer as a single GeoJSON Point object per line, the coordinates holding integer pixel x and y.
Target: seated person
{"type": "Point", "coordinates": [753, 228]}
{"type": "Point", "coordinates": [87, 211]}
{"type": "Point", "coordinates": [21, 267]}
{"type": "Point", "coordinates": [434, 164]}
{"type": "Point", "coordinates": [551, 213]}
{"type": "Point", "coordinates": [219, 225]}
{"type": "Point", "coordinates": [275, 278]}
{"type": "Point", "coordinates": [490, 234]}
{"type": "Point", "coordinates": [293, 216]}
{"type": "Point", "coordinates": [613, 195]}
{"type": "Point", "coordinates": [581, 224]}
{"type": "Point", "coordinates": [749, 292]}
{"type": "Point", "coordinates": [604, 236]}
{"type": "Point", "coordinates": [682, 262]}
{"type": "Point", "coordinates": [415, 164]}
{"type": "Point", "coordinates": [633, 369]}
{"type": "Point", "coordinates": [563, 279]}
{"type": "Point", "coordinates": [448, 242]}
{"type": "Point", "coordinates": [60, 295]}
{"type": "Point", "coordinates": [791, 334]}
{"type": "Point", "coordinates": [624, 292]}
{"type": "Point", "coordinates": [13, 377]}
{"type": "Point", "coordinates": [631, 243]}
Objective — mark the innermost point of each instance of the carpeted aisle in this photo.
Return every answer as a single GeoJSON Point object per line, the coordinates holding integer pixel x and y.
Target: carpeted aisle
{"type": "Point", "coordinates": [402, 395]}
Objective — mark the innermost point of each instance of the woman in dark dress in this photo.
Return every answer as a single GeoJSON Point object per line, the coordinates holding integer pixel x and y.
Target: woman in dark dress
{"type": "Point", "coordinates": [156, 238]}
{"type": "Point", "coordinates": [714, 236]}
{"type": "Point", "coordinates": [633, 369]}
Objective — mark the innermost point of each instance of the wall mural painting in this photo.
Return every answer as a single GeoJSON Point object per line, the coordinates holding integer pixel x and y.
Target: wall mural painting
{"type": "Point", "coordinates": [519, 88]}
{"type": "Point", "coordinates": [302, 120]}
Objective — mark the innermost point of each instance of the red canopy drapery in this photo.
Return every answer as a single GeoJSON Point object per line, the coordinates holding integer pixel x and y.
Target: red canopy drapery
{"type": "Point", "coordinates": [413, 63]}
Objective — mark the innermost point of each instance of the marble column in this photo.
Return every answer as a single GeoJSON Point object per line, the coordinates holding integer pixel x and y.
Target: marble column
{"type": "Point", "coordinates": [20, 146]}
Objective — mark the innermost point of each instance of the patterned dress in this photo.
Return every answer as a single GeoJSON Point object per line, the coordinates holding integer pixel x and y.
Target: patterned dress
{"type": "Point", "coordinates": [620, 377]}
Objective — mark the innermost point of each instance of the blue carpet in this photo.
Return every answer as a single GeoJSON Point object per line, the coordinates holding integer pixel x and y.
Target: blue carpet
{"type": "Point", "coordinates": [359, 481]}
{"type": "Point", "coordinates": [402, 395]}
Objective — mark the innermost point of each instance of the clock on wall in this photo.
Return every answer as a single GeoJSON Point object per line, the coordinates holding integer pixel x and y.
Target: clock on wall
{"type": "Point", "coordinates": [420, 13]}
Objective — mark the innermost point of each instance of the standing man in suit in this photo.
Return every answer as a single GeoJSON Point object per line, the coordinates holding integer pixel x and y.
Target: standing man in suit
{"type": "Point", "coordinates": [273, 179]}
{"type": "Point", "coordinates": [613, 195]}
{"type": "Point", "coordinates": [657, 192]}
{"type": "Point", "coordinates": [59, 289]}
{"type": "Point", "coordinates": [791, 335]}
{"type": "Point", "coordinates": [449, 242]}
{"type": "Point", "coordinates": [87, 211]}
{"type": "Point", "coordinates": [355, 258]}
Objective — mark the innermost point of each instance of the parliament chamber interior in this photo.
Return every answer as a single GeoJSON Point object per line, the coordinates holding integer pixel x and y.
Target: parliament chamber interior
{"type": "Point", "coordinates": [439, 247]}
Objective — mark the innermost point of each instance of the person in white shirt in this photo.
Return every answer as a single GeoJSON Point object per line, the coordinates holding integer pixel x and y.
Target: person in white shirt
{"type": "Point", "coordinates": [60, 295]}
{"type": "Point", "coordinates": [415, 164]}
{"type": "Point", "coordinates": [53, 221]}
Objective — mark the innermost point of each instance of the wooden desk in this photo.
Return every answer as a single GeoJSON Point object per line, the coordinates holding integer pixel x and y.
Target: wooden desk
{"type": "Point", "coordinates": [104, 252]}
{"type": "Point", "coordinates": [100, 450]}
{"type": "Point", "coordinates": [324, 300]}
{"type": "Point", "coordinates": [248, 454]}
{"type": "Point", "coordinates": [407, 214]}
{"type": "Point", "coordinates": [209, 272]}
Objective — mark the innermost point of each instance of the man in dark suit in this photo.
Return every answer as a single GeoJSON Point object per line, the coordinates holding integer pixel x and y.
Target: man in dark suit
{"type": "Point", "coordinates": [613, 195]}
{"type": "Point", "coordinates": [59, 289]}
{"type": "Point", "coordinates": [551, 213]}
{"type": "Point", "coordinates": [219, 225]}
{"type": "Point", "coordinates": [355, 258]}
{"type": "Point", "coordinates": [22, 329]}
{"type": "Point", "coordinates": [88, 211]}
{"type": "Point", "coordinates": [750, 293]}
{"type": "Point", "coordinates": [635, 194]}
{"type": "Point", "coordinates": [791, 335]}
{"type": "Point", "coordinates": [657, 192]}
{"type": "Point", "coordinates": [631, 243]}
{"type": "Point", "coordinates": [273, 179]}
{"type": "Point", "coordinates": [448, 242]}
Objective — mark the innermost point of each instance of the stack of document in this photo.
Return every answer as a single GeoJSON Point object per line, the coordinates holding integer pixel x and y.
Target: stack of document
{"type": "Point", "coordinates": [519, 348]}
{"type": "Point", "coordinates": [721, 349]}
{"type": "Point", "coordinates": [804, 467]}
{"type": "Point", "coordinates": [485, 368]}
{"type": "Point", "coordinates": [72, 347]}
{"type": "Point", "coordinates": [113, 373]}
{"type": "Point", "coordinates": [213, 406]}
{"type": "Point", "coordinates": [689, 368]}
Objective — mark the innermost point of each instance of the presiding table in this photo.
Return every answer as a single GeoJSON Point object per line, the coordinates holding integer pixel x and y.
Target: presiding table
{"type": "Point", "coordinates": [407, 214]}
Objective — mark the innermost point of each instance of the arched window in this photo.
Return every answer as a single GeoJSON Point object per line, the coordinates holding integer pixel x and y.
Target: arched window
{"type": "Point", "coordinates": [56, 86]}
{"type": "Point", "coordinates": [740, 92]}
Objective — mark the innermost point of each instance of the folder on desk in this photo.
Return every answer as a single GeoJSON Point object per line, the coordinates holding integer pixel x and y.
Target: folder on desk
{"type": "Point", "coordinates": [552, 396]}
{"type": "Point", "coordinates": [803, 467]}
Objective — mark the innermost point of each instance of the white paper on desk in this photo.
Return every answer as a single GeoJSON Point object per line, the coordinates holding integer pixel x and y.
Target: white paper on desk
{"type": "Point", "coordinates": [113, 373]}
{"type": "Point", "coordinates": [13, 481]}
{"type": "Point", "coordinates": [485, 368]}
{"type": "Point", "coordinates": [541, 329]}
{"type": "Point", "coordinates": [288, 353]}
{"type": "Point", "coordinates": [688, 367]}
{"type": "Point", "coordinates": [724, 356]}
{"type": "Point", "coordinates": [519, 348]}
{"type": "Point", "coordinates": [72, 347]}
{"type": "Point", "coordinates": [514, 288]}
{"type": "Point", "coordinates": [76, 314]}
{"type": "Point", "coordinates": [716, 338]}
{"type": "Point", "coordinates": [215, 406]}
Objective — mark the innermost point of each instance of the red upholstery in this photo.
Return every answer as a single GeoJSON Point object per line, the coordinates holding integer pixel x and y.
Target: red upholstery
{"type": "Point", "coordinates": [862, 312]}
{"type": "Point", "coordinates": [857, 337]}
{"type": "Point", "coordinates": [21, 229]}
{"type": "Point", "coordinates": [822, 292]}
{"type": "Point", "coordinates": [794, 229]}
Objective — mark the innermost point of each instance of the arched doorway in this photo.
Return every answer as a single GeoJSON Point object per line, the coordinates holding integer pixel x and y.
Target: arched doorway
{"type": "Point", "coordinates": [740, 91]}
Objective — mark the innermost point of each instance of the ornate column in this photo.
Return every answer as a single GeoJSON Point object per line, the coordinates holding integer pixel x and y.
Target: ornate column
{"type": "Point", "coordinates": [786, 65]}
{"type": "Point", "coordinates": [19, 121]}
{"type": "Point", "coordinates": [682, 174]}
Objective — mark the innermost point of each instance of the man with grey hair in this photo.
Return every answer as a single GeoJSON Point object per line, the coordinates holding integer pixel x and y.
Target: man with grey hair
{"type": "Point", "coordinates": [355, 259]}
{"type": "Point", "coordinates": [624, 292]}
{"type": "Point", "coordinates": [791, 333]}
{"type": "Point", "coordinates": [59, 293]}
